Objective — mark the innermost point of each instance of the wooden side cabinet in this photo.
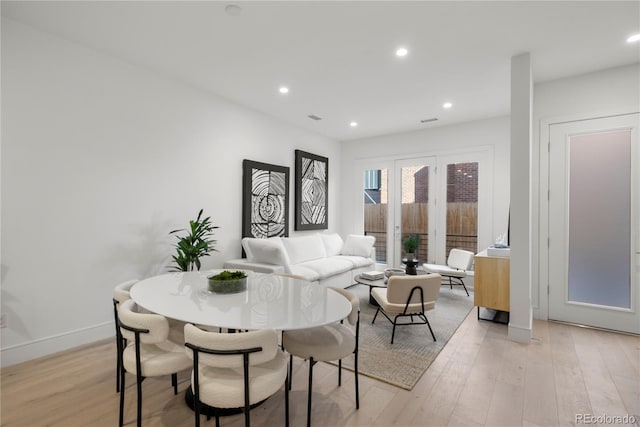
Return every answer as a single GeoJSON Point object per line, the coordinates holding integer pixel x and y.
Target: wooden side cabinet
{"type": "Point", "coordinates": [491, 282]}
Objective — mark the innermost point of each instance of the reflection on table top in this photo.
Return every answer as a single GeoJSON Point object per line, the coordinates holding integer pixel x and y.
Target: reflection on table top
{"type": "Point", "coordinates": [270, 301]}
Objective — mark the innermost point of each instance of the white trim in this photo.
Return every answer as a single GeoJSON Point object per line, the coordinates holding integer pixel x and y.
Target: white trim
{"type": "Point", "coordinates": [520, 333]}
{"type": "Point", "coordinates": [45, 346]}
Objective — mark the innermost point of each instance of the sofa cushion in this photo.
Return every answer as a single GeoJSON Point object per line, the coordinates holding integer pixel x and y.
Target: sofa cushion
{"type": "Point", "coordinates": [309, 274]}
{"type": "Point", "coordinates": [356, 261]}
{"type": "Point", "coordinates": [332, 243]}
{"type": "Point", "coordinates": [327, 267]}
{"type": "Point", "coordinates": [266, 251]}
{"type": "Point", "coordinates": [304, 248]}
{"type": "Point", "coordinates": [358, 245]}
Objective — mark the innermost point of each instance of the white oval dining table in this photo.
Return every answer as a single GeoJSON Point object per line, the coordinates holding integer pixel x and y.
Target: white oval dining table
{"type": "Point", "coordinates": [269, 302]}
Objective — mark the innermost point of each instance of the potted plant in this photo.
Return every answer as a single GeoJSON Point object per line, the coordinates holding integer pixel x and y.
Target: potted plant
{"type": "Point", "coordinates": [228, 282]}
{"type": "Point", "coordinates": [411, 246]}
{"type": "Point", "coordinates": [196, 244]}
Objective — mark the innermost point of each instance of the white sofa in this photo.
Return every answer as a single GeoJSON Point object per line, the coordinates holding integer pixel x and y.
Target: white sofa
{"type": "Point", "coordinates": [322, 257]}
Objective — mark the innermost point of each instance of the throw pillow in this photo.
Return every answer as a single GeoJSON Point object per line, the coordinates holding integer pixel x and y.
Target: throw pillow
{"type": "Point", "coordinates": [332, 243]}
{"type": "Point", "coordinates": [358, 245]}
{"type": "Point", "coordinates": [304, 248]}
{"type": "Point", "coordinates": [268, 251]}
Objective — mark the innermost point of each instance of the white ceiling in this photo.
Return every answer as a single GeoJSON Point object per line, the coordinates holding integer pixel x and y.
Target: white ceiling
{"type": "Point", "coordinates": [338, 57]}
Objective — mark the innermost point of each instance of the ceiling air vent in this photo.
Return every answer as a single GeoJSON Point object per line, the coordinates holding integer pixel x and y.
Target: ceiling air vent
{"type": "Point", "coordinates": [433, 119]}
{"type": "Point", "coordinates": [314, 117]}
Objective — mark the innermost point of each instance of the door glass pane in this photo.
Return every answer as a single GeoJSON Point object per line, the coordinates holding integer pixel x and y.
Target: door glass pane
{"type": "Point", "coordinates": [375, 210]}
{"type": "Point", "coordinates": [600, 218]}
{"type": "Point", "coordinates": [414, 211]}
{"type": "Point", "coordinates": [462, 206]}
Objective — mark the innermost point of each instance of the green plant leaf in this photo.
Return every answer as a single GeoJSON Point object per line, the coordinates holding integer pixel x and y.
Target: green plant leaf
{"type": "Point", "coordinates": [198, 242]}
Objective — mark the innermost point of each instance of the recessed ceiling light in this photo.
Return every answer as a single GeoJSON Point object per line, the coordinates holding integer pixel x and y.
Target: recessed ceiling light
{"type": "Point", "coordinates": [233, 10]}
{"type": "Point", "coordinates": [353, 124]}
{"type": "Point", "coordinates": [634, 38]}
{"type": "Point", "coordinates": [402, 51]}
{"type": "Point", "coordinates": [283, 89]}
{"type": "Point", "coordinates": [447, 105]}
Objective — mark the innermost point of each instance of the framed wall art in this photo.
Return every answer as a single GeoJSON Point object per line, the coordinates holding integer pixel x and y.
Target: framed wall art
{"type": "Point", "coordinates": [265, 200]}
{"type": "Point", "coordinates": [312, 187]}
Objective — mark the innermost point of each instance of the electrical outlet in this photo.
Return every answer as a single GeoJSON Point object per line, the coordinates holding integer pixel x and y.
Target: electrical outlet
{"type": "Point", "coordinates": [3, 320]}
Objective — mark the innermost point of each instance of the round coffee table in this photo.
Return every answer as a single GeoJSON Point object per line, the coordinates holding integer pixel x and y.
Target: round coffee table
{"type": "Point", "coordinates": [378, 283]}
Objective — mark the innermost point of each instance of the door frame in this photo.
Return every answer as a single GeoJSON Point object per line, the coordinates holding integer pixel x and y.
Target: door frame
{"type": "Point", "coordinates": [543, 197]}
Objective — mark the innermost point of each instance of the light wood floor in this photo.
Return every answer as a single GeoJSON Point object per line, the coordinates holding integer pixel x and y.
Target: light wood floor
{"type": "Point", "coordinates": [480, 378]}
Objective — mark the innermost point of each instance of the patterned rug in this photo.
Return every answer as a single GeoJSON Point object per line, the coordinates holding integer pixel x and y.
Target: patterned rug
{"type": "Point", "coordinates": [404, 362]}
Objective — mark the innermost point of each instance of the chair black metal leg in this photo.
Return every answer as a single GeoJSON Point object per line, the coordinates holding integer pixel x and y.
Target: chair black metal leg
{"type": "Point", "coordinates": [174, 383]}
{"type": "Point", "coordinates": [393, 331]}
{"type": "Point", "coordinates": [339, 372]}
{"type": "Point", "coordinates": [465, 288]}
{"type": "Point", "coordinates": [311, 363]}
{"type": "Point", "coordinates": [375, 315]}
{"type": "Point", "coordinates": [139, 386]}
{"type": "Point", "coordinates": [286, 402]}
{"type": "Point", "coordinates": [355, 371]}
{"type": "Point", "coordinates": [118, 362]}
{"type": "Point", "coordinates": [430, 330]}
{"type": "Point", "coordinates": [290, 370]}
{"type": "Point", "coordinates": [121, 419]}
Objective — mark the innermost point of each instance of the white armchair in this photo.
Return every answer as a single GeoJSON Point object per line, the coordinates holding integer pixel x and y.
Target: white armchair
{"type": "Point", "coordinates": [458, 263]}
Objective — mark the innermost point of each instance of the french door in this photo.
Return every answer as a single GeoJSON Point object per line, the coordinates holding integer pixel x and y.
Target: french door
{"type": "Point", "coordinates": [444, 201]}
{"type": "Point", "coordinates": [414, 207]}
{"type": "Point", "coordinates": [594, 223]}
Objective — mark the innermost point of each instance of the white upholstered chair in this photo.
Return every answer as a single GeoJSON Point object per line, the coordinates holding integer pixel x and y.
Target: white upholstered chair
{"type": "Point", "coordinates": [408, 296]}
{"type": "Point", "coordinates": [120, 295]}
{"type": "Point", "coordinates": [327, 343]}
{"type": "Point", "coordinates": [459, 262]}
{"type": "Point", "coordinates": [153, 350]}
{"type": "Point", "coordinates": [235, 370]}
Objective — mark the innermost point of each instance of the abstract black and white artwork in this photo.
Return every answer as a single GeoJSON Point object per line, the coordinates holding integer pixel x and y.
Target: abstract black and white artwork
{"type": "Point", "coordinates": [312, 184]}
{"type": "Point", "coordinates": [265, 202]}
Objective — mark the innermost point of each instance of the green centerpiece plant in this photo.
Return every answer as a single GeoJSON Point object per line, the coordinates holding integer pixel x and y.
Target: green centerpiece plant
{"type": "Point", "coordinates": [411, 246]}
{"type": "Point", "coordinates": [228, 282]}
{"type": "Point", "coordinates": [195, 245]}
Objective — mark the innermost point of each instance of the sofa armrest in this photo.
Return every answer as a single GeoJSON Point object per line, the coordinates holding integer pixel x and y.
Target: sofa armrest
{"type": "Point", "coordinates": [243, 264]}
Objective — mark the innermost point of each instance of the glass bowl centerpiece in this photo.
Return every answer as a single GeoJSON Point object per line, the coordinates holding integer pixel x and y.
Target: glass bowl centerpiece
{"type": "Point", "coordinates": [227, 282]}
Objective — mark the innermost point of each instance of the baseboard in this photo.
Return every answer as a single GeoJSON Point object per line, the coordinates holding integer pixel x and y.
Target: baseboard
{"type": "Point", "coordinates": [520, 334]}
{"type": "Point", "coordinates": [45, 346]}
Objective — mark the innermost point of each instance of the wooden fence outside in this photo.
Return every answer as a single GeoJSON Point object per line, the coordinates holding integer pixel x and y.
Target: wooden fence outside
{"type": "Point", "coordinates": [461, 226]}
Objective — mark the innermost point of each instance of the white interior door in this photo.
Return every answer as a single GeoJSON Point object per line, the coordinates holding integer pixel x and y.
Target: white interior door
{"type": "Point", "coordinates": [594, 220]}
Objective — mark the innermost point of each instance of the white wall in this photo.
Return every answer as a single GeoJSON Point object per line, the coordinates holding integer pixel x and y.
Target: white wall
{"type": "Point", "coordinates": [603, 93]}
{"type": "Point", "coordinates": [100, 160]}
{"type": "Point", "coordinates": [490, 134]}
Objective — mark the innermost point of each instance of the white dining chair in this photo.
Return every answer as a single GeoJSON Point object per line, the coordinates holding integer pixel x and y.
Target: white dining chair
{"type": "Point", "coordinates": [152, 351]}
{"type": "Point", "coordinates": [120, 295]}
{"type": "Point", "coordinates": [235, 370]}
{"type": "Point", "coordinates": [327, 343]}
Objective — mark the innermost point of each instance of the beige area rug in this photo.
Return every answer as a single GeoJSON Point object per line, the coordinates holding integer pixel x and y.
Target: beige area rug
{"type": "Point", "coordinates": [404, 362]}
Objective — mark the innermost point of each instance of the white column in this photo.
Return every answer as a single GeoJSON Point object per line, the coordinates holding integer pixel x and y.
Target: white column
{"type": "Point", "coordinates": [521, 314]}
